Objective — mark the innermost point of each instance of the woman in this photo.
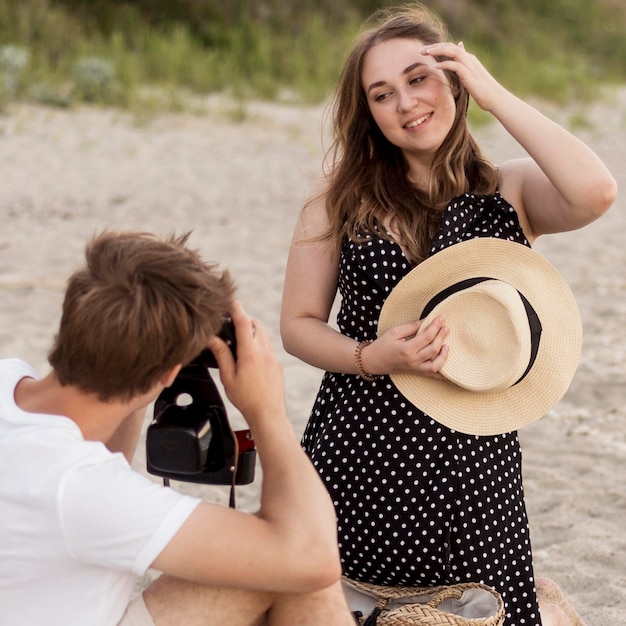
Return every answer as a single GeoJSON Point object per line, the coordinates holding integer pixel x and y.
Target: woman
{"type": "Point", "coordinates": [404, 179]}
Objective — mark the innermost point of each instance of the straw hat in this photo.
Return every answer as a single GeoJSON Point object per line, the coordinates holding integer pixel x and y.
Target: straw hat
{"type": "Point", "coordinates": [515, 335]}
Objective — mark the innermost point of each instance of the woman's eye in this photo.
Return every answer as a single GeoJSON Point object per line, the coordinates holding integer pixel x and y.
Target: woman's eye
{"type": "Point", "coordinates": [381, 96]}
{"type": "Point", "coordinates": [417, 79]}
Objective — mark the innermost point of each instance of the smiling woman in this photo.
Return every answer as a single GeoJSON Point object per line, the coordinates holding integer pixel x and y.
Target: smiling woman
{"type": "Point", "coordinates": [418, 503]}
{"type": "Point", "coordinates": [411, 101]}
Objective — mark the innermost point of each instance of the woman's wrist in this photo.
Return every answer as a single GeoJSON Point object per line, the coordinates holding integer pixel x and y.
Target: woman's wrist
{"type": "Point", "coordinates": [358, 361]}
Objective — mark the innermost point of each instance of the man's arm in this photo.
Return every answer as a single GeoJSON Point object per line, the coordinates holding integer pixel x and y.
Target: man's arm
{"type": "Point", "coordinates": [291, 544]}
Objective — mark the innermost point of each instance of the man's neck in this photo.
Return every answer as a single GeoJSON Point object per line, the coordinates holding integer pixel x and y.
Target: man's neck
{"type": "Point", "coordinates": [97, 420]}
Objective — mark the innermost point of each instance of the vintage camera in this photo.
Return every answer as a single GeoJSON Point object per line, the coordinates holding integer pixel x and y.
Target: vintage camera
{"type": "Point", "coordinates": [190, 438]}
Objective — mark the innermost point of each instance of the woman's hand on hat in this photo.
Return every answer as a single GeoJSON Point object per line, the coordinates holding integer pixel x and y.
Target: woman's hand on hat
{"type": "Point", "coordinates": [402, 349]}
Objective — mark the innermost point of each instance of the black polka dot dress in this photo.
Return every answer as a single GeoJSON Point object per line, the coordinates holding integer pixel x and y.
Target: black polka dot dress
{"type": "Point", "coordinates": [418, 503]}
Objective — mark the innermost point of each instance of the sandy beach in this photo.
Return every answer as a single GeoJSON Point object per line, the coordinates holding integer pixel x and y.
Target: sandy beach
{"type": "Point", "coordinates": [239, 188]}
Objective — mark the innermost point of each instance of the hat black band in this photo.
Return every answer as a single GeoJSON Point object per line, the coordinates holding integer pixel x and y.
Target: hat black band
{"type": "Point", "coordinates": [533, 319]}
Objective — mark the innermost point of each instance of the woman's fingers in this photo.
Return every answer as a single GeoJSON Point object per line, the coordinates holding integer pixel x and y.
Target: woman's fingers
{"type": "Point", "coordinates": [406, 348]}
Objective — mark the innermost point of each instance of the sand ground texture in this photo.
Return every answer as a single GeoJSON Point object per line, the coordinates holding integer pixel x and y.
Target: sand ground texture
{"type": "Point", "coordinates": [239, 187]}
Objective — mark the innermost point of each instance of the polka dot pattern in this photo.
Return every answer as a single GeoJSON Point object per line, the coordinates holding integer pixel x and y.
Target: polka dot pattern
{"type": "Point", "coordinates": [418, 503]}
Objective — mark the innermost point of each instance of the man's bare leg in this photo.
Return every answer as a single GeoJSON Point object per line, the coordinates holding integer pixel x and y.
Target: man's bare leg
{"type": "Point", "coordinates": [327, 607]}
{"type": "Point", "coordinates": [173, 601]}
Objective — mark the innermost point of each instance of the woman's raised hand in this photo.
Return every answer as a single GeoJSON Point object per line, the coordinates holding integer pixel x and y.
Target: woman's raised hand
{"type": "Point", "coordinates": [481, 85]}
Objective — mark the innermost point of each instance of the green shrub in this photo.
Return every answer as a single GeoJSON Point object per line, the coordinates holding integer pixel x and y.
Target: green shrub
{"type": "Point", "coordinates": [94, 80]}
{"type": "Point", "coordinates": [109, 51]}
{"type": "Point", "coordinates": [13, 60]}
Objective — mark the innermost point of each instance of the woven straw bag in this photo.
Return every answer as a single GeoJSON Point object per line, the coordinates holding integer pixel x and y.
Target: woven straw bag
{"type": "Point", "coordinates": [464, 604]}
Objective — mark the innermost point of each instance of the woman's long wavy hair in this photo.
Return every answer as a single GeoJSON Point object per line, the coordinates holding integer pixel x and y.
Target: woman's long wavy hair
{"type": "Point", "coordinates": [368, 176]}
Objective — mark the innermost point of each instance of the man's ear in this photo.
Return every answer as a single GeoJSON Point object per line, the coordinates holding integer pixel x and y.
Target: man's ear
{"type": "Point", "coordinates": [168, 377]}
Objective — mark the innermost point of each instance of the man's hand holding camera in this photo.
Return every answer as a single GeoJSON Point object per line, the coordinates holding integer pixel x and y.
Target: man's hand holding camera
{"type": "Point", "coordinates": [254, 381]}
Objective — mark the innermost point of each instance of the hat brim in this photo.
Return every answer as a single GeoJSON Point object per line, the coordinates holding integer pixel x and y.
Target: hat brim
{"type": "Point", "coordinates": [492, 413]}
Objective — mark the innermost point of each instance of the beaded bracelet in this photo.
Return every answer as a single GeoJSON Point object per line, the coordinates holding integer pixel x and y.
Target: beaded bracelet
{"type": "Point", "coordinates": [370, 378]}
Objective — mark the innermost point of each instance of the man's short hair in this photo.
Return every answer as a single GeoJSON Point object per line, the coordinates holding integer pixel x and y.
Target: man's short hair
{"type": "Point", "coordinates": [140, 306]}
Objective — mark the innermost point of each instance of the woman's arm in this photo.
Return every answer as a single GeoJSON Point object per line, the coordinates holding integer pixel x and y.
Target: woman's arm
{"type": "Point", "coordinates": [309, 292]}
{"type": "Point", "coordinates": [563, 185]}
{"type": "Point", "coordinates": [308, 296]}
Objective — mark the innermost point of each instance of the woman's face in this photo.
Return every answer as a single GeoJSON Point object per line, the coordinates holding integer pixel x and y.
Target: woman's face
{"type": "Point", "coordinates": [411, 100]}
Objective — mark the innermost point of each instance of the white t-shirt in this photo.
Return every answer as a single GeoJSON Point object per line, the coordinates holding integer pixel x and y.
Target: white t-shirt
{"type": "Point", "coordinates": [78, 526]}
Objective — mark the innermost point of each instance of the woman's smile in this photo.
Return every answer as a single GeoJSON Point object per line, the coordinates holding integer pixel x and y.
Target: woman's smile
{"type": "Point", "coordinates": [418, 122]}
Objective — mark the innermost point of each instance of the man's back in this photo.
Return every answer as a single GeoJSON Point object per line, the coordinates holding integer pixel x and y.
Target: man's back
{"type": "Point", "coordinates": [78, 525]}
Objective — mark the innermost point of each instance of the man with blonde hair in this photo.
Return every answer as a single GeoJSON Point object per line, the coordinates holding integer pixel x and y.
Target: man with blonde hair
{"type": "Point", "coordinates": [79, 525]}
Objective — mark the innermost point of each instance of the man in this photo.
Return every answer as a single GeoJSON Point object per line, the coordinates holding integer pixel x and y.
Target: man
{"type": "Point", "coordinates": [78, 525]}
